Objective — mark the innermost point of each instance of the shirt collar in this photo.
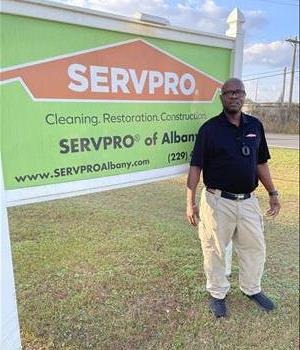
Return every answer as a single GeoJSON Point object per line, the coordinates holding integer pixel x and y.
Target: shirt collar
{"type": "Point", "coordinates": [244, 118]}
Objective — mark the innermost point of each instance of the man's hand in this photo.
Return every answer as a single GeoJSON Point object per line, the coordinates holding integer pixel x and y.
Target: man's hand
{"type": "Point", "coordinates": [192, 211]}
{"type": "Point", "coordinates": [192, 214]}
{"type": "Point", "coordinates": [274, 206]}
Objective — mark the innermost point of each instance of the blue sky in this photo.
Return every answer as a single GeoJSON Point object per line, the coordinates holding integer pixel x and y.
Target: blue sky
{"type": "Point", "coordinates": [268, 24]}
{"type": "Point", "coordinates": [280, 18]}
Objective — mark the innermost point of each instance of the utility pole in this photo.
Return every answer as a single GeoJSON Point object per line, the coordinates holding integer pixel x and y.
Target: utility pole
{"type": "Point", "coordinates": [294, 43]}
{"type": "Point", "coordinates": [283, 86]}
{"type": "Point", "coordinates": [256, 90]}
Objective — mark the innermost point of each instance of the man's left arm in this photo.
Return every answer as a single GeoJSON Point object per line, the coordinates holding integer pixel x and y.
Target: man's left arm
{"type": "Point", "coordinates": [264, 176]}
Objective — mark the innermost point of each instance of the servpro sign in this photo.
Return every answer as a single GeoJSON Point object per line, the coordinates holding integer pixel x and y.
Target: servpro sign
{"type": "Point", "coordinates": [127, 71]}
{"type": "Point", "coordinates": [91, 104]}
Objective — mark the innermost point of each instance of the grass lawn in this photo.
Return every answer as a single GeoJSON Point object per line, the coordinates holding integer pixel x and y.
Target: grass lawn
{"type": "Point", "coordinates": [123, 270]}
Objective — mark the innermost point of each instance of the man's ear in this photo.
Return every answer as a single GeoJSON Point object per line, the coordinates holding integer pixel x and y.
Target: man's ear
{"type": "Point", "coordinates": [221, 98]}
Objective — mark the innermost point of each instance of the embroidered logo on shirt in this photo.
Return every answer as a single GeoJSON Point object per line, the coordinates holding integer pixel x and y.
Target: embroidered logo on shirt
{"type": "Point", "coordinates": [251, 135]}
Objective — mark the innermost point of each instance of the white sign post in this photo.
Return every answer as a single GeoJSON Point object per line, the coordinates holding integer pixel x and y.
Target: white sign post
{"type": "Point", "coordinates": [10, 330]}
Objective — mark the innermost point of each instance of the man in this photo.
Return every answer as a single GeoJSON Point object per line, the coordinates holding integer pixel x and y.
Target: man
{"type": "Point", "coordinates": [232, 152]}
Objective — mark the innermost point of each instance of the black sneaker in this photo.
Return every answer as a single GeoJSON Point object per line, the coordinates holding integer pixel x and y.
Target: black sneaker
{"type": "Point", "coordinates": [262, 301]}
{"type": "Point", "coordinates": [218, 307]}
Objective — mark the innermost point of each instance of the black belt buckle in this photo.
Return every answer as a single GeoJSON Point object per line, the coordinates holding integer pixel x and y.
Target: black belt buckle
{"type": "Point", "coordinates": [235, 196]}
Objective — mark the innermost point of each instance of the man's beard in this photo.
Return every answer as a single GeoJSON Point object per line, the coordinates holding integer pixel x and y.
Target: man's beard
{"type": "Point", "coordinates": [233, 110]}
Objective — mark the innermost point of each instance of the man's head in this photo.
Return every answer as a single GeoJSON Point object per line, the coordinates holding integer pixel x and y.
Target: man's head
{"type": "Point", "coordinates": [233, 95]}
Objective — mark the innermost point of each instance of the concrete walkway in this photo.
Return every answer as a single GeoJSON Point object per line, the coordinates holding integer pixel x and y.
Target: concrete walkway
{"type": "Point", "coordinates": [283, 140]}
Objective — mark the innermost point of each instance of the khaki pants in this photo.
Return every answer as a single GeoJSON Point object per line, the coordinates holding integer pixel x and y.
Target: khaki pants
{"type": "Point", "coordinates": [223, 220]}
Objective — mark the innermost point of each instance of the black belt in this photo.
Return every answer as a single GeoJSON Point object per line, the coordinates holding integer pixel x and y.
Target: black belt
{"type": "Point", "coordinates": [232, 196]}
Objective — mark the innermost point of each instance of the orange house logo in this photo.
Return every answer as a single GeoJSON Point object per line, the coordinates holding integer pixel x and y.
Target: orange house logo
{"type": "Point", "coordinates": [130, 71]}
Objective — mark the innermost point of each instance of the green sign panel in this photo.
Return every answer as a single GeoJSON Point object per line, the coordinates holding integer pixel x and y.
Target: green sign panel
{"type": "Point", "coordinates": [79, 103]}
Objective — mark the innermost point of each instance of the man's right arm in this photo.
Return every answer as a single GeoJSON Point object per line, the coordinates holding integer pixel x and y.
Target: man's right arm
{"type": "Point", "coordinates": [192, 210]}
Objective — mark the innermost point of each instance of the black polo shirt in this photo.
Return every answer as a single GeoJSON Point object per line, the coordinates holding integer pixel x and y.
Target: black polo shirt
{"type": "Point", "coordinates": [218, 153]}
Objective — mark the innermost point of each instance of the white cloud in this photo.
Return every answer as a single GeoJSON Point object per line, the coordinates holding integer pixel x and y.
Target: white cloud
{"type": "Point", "coordinates": [255, 21]}
{"type": "Point", "coordinates": [274, 54]}
{"type": "Point", "coordinates": [205, 16]}
{"type": "Point", "coordinates": [202, 15]}
{"type": "Point", "coordinates": [211, 9]}
{"type": "Point", "coordinates": [270, 58]}
{"type": "Point", "coordinates": [121, 7]}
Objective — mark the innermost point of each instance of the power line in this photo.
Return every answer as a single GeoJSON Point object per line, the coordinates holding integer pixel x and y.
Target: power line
{"type": "Point", "coordinates": [272, 71]}
{"type": "Point", "coordinates": [279, 2]}
{"type": "Point", "coordinates": [269, 76]}
{"type": "Point", "coordinates": [262, 75]}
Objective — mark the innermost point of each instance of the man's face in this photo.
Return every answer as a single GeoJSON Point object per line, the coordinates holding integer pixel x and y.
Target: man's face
{"type": "Point", "coordinates": [233, 96]}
